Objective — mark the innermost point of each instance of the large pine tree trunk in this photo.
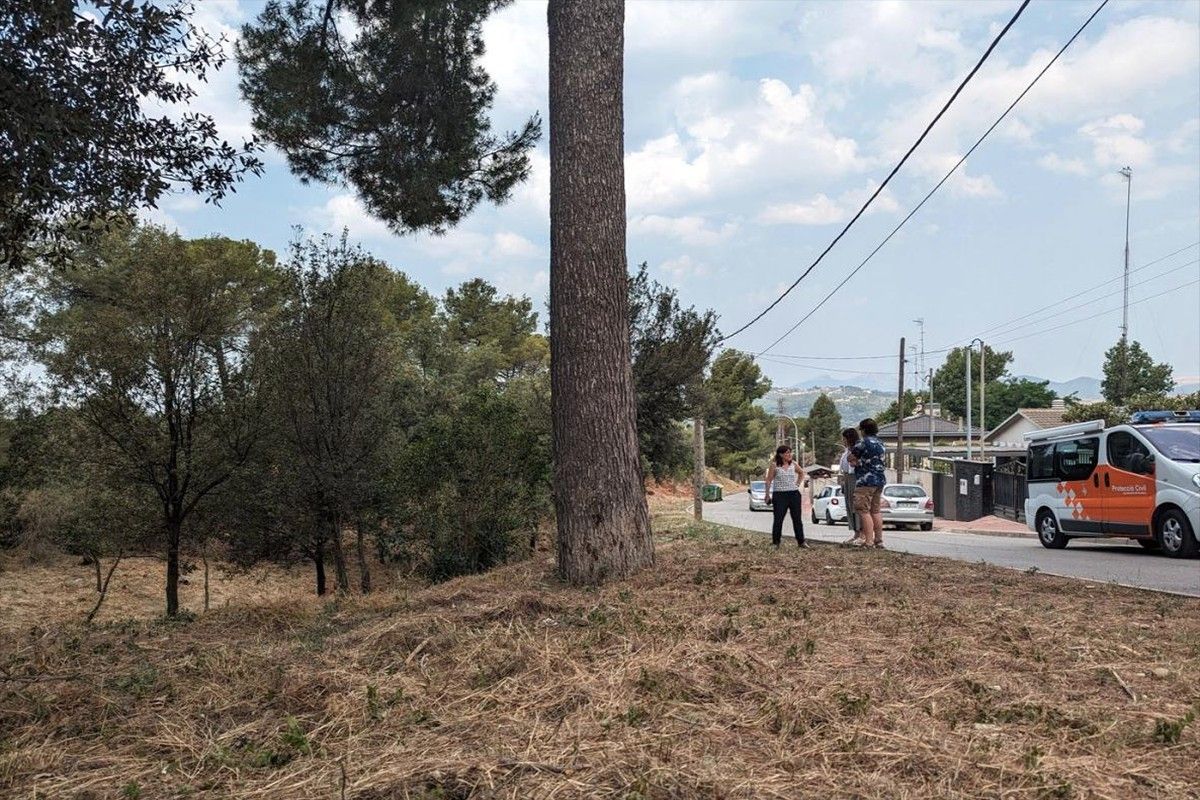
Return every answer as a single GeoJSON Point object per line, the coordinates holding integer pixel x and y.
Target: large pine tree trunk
{"type": "Point", "coordinates": [599, 496]}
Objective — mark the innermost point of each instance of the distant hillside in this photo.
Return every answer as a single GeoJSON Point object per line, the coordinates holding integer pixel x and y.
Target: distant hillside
{"type": "Point", "coordinates": [853, 402]}
{"type": "Point", "coordinates": [1083, 387]}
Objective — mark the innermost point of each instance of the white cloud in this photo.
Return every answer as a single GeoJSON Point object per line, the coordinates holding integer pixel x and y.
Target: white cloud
{"type": "Point", "coordinates": [818, 211]}
{"type": "Point", "coordinates": [735, 137]}
{"type": "Point", "coordinates": [511, 245]}
{"type": "Point", "coordinates": [1068, 166]}
{"type": "Point", "coordinates": [1116, 141]}
{"type": "Point", "coordinates": [346, 211]}
{"type": "Point", "coordinates": [684, 267]}
{"type": "Point", "coordinates": [821, 210]}
{"type": "Point", "coordinates": [516, 54]}
{"type": "Point", "coordinates": [691, 229]}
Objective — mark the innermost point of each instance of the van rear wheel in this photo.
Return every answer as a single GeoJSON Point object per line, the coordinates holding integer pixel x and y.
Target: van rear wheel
{"type": "Point", "coordinates": [1175, 535]}
{"type": "Point", "coordinates": [1048, 533]}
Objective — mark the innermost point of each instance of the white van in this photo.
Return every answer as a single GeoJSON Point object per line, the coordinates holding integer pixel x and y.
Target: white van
{"type": "Point", "coordinates": [1139, 481]}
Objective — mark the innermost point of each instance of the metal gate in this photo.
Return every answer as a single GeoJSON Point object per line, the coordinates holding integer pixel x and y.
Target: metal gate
{"type": "Point", "coordinates": [943, 495]}
{"type": "Point", "coordinates": [1009, 490]}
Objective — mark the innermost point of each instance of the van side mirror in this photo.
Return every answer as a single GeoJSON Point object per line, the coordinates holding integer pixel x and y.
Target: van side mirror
{"type": "Point", "coordinates": [1148, 465]}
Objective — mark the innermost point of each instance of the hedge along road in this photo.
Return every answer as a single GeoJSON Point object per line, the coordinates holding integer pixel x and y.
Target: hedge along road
{"type": "Point", "coordinates": [1117, 561]}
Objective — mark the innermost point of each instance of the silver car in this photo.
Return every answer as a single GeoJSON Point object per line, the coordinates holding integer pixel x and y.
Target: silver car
{"type": "Point", "coordinates": [906, 504]}
{"type": "Point", "coordinates": [758, 496]}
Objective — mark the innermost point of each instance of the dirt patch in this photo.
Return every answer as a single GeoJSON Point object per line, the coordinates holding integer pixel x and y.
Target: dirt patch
{"type": "Point", "coordinates": [728, 671]}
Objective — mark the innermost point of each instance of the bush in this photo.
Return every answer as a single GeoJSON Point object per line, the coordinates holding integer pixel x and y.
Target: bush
{"type": "Point", "coordinates": [474, 483]}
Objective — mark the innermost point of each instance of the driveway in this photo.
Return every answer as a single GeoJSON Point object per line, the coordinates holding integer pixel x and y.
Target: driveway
{"type": "Point", "coordinates": [1107, 561]}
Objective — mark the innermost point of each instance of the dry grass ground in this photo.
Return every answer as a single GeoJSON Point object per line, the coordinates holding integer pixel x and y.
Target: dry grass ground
{"type": "Point", "coordinates": [729, 671]}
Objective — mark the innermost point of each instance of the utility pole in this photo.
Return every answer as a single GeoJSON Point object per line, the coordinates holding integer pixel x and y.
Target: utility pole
{"type": "Point", "coordinates": [900, 421]}
{"type": "Point", "coordinates": [931, 418]}
{"type": "Point", "coordinates": [698, 467]}
{"type": "Point", "coordinates": [968, 360]}
{"type": "Point", "coordinates": [982, 399]}
{"type": "Point", "coordinates": [1127, 173]}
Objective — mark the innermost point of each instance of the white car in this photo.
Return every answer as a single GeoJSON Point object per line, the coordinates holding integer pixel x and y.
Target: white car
{"type": "Point", "coordinates": [829, 506]}
{"type": "Point", "coordinates": [906, 504]}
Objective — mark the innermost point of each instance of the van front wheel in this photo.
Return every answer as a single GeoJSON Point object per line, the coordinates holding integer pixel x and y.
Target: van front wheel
{"type": "Point", "coordinates": [1048, 533]}
{"type": "Point", "coordinates": [1174, 533]}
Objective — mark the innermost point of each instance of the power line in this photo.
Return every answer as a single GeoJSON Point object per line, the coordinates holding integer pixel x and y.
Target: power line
{"type": "Point", "coordinates": [1100, 313]}
{"type": "Point", "coordinates": [890, 175]}
{"type": "Point", "coordinates": [939, 184]}
{"type": "Point", "coordinates": [781, 360]}
{"type": "Point", "coordinates": [1005, 330]}
{"type": "Point", "coordinates": [1089, 291]}
{"type": "Point", "coordinates": [1040, 332]}
{"type": "Point", "coordinates": [1008, 323]}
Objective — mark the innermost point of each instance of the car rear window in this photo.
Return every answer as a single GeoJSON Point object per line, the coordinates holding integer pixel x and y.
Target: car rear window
{"type": "Point", "coordinates": [758, 486]}
{"type": "Point", "coordinates": [904, 491]}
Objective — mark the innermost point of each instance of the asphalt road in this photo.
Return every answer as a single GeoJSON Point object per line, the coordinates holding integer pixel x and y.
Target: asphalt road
{"type": "Point", "coordinates": [1117, 561]}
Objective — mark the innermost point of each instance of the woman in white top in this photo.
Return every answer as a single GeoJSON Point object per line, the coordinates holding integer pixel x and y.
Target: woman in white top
{"type": "Point", "coordinates": [849, 439]}
{"type": "Point", "coordinates": [783, 485]}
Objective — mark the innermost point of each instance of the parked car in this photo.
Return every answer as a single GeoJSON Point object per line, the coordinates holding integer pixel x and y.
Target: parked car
{"type": "Point", "coordinates": [758, 496]}
{"type": "Point", "coordinates": [829, 506]}
{"type": "Point", "coordinates": [906, 504]}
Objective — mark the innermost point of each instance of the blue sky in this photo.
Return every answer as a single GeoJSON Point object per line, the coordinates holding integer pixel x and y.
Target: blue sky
{"type": "Point", "coordinates": [753, 129]}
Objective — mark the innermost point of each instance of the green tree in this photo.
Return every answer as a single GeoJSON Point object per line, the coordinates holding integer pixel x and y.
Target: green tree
{"type": "Point", "coordinates": [154, 340]}
{"type": "Point", "coordinates": [950, 380]}
{"type": "Point", "coordinates": [337, 352]}
{"type": "Point", "coordinates": [671, 347]}
{"type": "Point", "coordinates": [388, 97]}
{"type": "Point", "coordinates": [494, 338]}
{"type": "Point", "coordinates": [1129, 370]}
{"type": "Point", "coordinates": [737, 430]}
{"type": "Point", "coordinates": [77, 83]}
{"type": "Point", "coordinates": [892, 412]}
{"type": "Point", "coordinates": [1006, 396]}
{"type": "Point", "coordinates": [1114, 414]}
{"type": "Point", "coordinates": [825, 426]}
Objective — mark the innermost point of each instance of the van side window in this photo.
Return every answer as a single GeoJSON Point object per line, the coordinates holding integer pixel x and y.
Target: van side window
{"type": "Point", "coordinates": [1041, 463]}
{"type": "Point", "coordinates": [1126, 453]}
{"type": "Point", "coordinates": [1074, 460]}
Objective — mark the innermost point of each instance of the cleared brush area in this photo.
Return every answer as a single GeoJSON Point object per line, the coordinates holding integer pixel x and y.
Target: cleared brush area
{"type": "Point", "coordinates": [730, 671]}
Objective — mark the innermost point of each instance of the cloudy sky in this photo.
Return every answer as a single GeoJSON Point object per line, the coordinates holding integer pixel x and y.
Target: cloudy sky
{"type": "Point", "coordinates": [753, 130]}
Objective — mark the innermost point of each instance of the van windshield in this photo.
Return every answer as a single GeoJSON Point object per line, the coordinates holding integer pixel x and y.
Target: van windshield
{"type": "Point", "coordinates": [1178, 443]}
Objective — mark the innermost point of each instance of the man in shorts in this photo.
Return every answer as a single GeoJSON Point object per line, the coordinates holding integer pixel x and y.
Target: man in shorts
{"type": "Point", "coordinates": [870, 477]}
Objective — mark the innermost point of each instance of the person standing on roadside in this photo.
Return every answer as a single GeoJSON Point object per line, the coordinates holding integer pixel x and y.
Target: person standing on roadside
{"type": "Point", "coordinates": [870, 476]}
{"type": "Point", "coordinates": [783, 495]}
{"type": "Point", "coordinates": [846, 480]}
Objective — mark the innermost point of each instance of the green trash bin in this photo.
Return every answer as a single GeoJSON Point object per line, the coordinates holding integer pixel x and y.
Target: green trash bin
{"type": "Point", "coordinates": [711, 493]}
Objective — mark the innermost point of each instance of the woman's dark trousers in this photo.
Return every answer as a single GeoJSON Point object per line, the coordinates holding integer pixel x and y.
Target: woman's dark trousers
{"type": "Point", "coordinates": [781, 504]}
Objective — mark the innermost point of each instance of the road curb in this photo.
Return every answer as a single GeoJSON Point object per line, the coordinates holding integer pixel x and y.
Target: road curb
{"type": "Point", "coordinates": [1006, 534]}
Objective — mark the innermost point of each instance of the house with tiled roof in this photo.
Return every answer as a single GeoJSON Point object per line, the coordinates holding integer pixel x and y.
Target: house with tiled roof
{"type": "Point", "coordinates": [917, 428]}
{"type": "Point", "coordinates": [1011, 432]}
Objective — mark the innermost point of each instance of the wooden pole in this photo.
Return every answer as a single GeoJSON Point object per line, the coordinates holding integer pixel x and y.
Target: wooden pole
{"type": "Point", "coordinates": [900, 421]}
{"type": "Point", "coordinates": [698, 467]}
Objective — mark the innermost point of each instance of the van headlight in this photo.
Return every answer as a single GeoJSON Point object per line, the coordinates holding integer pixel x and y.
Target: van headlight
{"type": "Point", "coordinates": [1196, 480]}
